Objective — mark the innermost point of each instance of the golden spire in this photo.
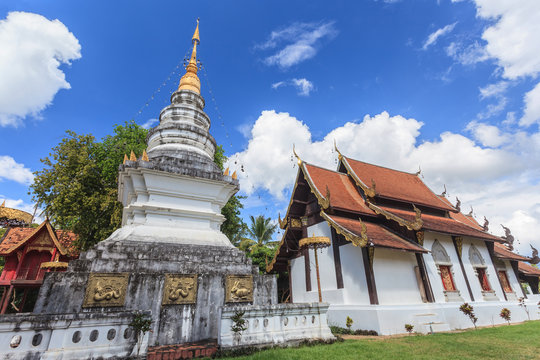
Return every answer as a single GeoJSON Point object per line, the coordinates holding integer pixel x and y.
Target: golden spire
{"type": "Point", "coordinates": [132, 156]}
{"type": "Point", "coordinates": [190, 80]}
{"type": "Point", "coordinates": [3, 204]}
{"type": "Point", "coordinates": [144, 156]}
{"type": "Point", "coordinates": [125, 159]}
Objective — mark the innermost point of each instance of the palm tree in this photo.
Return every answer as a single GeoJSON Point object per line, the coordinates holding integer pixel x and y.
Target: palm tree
{"type": "Point", "coordinates": [260, 231]}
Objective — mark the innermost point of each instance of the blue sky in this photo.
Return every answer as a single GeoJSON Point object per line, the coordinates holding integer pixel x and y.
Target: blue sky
{"type": "Point", "coordinates": [445, 85]}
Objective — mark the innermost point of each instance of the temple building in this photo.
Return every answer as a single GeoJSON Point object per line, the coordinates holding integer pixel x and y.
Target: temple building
{"type": "Point", "coordinates": [392, 252]}
{"type": "Point", "coordinates": [28, 254]}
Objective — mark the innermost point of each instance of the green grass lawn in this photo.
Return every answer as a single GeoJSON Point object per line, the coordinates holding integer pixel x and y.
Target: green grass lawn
{"type": "Point", "coordinates": [504, 342]}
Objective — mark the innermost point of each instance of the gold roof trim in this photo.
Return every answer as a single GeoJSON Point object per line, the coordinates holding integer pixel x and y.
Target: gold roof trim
{"type": "Point", "coordinates": [356, 240]}
{"type": "Point", "coordinates": [270, 266]}
{"type": "Point", "coordinates": [15, 214]}
{"type": "Point", "coordinates": [282, 223]}
{"type": "Point", "coordinates": [324, 201]}
{"type": "Point", "coordinates": [54, 265]}
{"type": "Point", "coordinates": [190, 80]}
{"type": "Point", "coordinates": [369, 191]}
{"type": "Point", "coordinates": [411, 225]}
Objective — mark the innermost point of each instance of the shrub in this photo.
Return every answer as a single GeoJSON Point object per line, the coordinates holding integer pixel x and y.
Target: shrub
{"type": "Point", "coordinates": [505, 314]}
{"type": "Point", "coordinates": [469, 311]}
{"type": "Point", "coordinates": [238, 323]}
{"type": "Point", "coordinates": [349, 323]}
{"type": "Point", "coordinates": [409, 328]}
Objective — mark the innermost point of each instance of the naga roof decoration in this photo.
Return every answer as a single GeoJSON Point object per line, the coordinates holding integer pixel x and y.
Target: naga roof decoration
{"type": "Point", "coordinates": [416, 224]}
{"type": "Point", "coordinates": [356, 238]}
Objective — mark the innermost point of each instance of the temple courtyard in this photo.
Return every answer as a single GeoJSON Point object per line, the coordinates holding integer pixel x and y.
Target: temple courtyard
{"type": "Point", "coordinates": [518, 341]}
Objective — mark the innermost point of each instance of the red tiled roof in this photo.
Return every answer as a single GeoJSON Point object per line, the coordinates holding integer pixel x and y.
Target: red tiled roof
{"type": "Point", "coordinates": [445, 225]}
{"type": "Point", "coordinates": [68, 240]}
{"type": "Point", "coordinates": [503, 253]}
{"type": "Point", "coordinates": [397, 185]}
{"type": "Point", "coordinates": [15, 237]}
{"type": "Point", "coordinates": [377, 235]}
{"type": "Point", "coordinates": [528, 269]}
{"type": "Point", "coordinates": [343, 193]}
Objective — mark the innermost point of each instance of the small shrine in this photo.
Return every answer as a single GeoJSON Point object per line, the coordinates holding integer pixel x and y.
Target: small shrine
{"type": "Point", "coordinates": [28, 254]}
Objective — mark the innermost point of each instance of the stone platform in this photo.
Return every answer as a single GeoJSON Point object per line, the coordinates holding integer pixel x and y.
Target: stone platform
{"type": "Point", "coordinates": [184, 286]}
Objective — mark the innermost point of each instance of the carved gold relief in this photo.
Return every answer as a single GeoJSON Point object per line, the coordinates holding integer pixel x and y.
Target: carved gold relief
{"type": "Point", "coordinates": [239, 288]}
{"type": "Point", "coordinates": [179, 289]}
{"type": "Point", "coordinates": [106, 290]}
{"type": "Point", "coordinates": [296, 223]}
{"type": "Point", "coordinates": [459, 244]}
{"type": "Point", "coordinates": [420, 237]}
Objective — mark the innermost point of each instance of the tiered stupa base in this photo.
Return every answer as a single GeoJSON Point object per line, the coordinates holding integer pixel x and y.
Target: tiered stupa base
{"type": "Point", "coordinates": [147, 265]}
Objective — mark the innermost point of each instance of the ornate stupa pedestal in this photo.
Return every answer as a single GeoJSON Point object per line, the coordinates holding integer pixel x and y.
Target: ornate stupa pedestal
{"type": "Point", "coordinates": [169, 256]}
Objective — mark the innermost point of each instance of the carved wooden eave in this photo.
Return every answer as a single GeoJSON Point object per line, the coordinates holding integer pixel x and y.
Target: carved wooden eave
{"type": "Point", "coordinates": [282, 223]}
{"type": "Point", "coordinates": [356, 240]}
{"type": "Point", "coordinates": [410, 225]}
{"type": "Point", "coordinates": [370, 192]}
{"type": "Point", "coordinates": [270, 265]}
{"type": "Point", "coordinates": [324, 201]}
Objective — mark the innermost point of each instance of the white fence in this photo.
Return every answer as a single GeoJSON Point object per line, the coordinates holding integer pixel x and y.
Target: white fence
{"type": "Point", "coordinates": [275, 324]}
{"type": "Point", "coordinates": [69, 336]}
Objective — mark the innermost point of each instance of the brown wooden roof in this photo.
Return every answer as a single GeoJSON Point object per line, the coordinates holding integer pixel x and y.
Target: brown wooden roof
{"type": "Point", "coordinates": [397, 185]}
{"type": "Point", "coordinates": [343, 192]}
{"type": "Point", "coordinates": [377, 235]}
{"type": "Point", "coordinates": [528, 270]}
{"type": "Point", "coordinates": [503, 253]}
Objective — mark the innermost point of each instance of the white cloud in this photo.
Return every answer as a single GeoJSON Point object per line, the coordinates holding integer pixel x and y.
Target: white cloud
{"type": "Point", "coordinates": [303, 86]}
{"type": "Point", "coordinates": [512, 39]}
{"type": "Point", "coordinates": [12, 170]}
{"type": "Point", "coordinates": [493, 89]}
{"type": "Point", "coordinates": [301, 42]}
{"type": "Point", "coordinates": [150, 123]}
{"type": "Point", "coordinates": [434, 36]}
{"type": "Point", "coordinates": [531, 114]}
{"type": "Point", "coordinates": [498, 176]}
{"type": "Point", "coordinates": [33, 48]}
{"type": "Point", "coordinates": [487, 135]}
{"type": "Point", "coordinates": [467, 54]}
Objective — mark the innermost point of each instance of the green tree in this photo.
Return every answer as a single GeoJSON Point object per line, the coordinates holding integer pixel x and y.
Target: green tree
{"type": "Point", "coordinates": [261, 230]}
{"type": "Point", "coordinates": [77, 188]}
{"type": "Point", "coordinates": [233, 226]}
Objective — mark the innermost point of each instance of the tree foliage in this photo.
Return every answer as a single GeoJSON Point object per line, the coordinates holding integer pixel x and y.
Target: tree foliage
{"type": "Point", "coordinates": [77, 187]}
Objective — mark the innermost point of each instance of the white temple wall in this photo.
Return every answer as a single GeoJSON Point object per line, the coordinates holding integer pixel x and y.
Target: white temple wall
{"type": "Point", "coordinates": [395, 278]}
{"type": "Point", "coordinates": [354, 275]}
{"type": "Point", "coordinates": [490, 271]}
{"type": "Point", "coordinates": [433, 272]}
{"type": "Point", "coordinates": [298, 280]}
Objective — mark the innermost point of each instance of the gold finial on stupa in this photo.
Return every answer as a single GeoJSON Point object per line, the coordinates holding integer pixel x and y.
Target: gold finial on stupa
{"type": "Point", "coordinates": [226, 172]}
{"type": "Point", "coordinates": [190, 80]}
{"type": "Point", "coordinates": [3, 204]}
{"type": "Point", "coordinates": [125, 159]}
{"type": "Point", "coordinates": [144, 156]}
{"type": "Point", "coordinates": [234, 175]}
{"type": "Point", "coordinates": [132, 156]}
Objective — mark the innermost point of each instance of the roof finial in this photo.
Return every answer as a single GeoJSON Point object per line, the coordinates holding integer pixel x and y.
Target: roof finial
{"type": "Point", "coordinates": [3, 204]}
{"type": "Point", "coordinates": [190, 80]}
{"type": "Point", "coordinates": [419, 171]}
{"type": "Point", "coordinates": [339, 153]}
{"type": "Point", "coordinates": [444, 192]}
{"type": "Point", "coordinates": [296, 155]}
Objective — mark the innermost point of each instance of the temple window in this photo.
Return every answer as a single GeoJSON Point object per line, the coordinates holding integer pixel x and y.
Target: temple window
{"type": "Point", "coordinates": [502, 274]}
{"type": "Point", "coordinates": [480, 269]}
{"type": "Point", "coordinates": [444, 268]}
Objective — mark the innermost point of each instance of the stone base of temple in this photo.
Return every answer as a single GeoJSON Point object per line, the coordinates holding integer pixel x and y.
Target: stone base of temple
{"type": "Point", "coordinates": [426, 318]}
{"type": "Point", "coordinates": [156, 277]}
{"type": "Point", "coordinates": [204, 349]}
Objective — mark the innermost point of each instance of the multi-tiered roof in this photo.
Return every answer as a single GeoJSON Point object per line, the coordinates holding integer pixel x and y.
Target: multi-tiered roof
{"type": "Point", "coordinates": [371, 206]}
